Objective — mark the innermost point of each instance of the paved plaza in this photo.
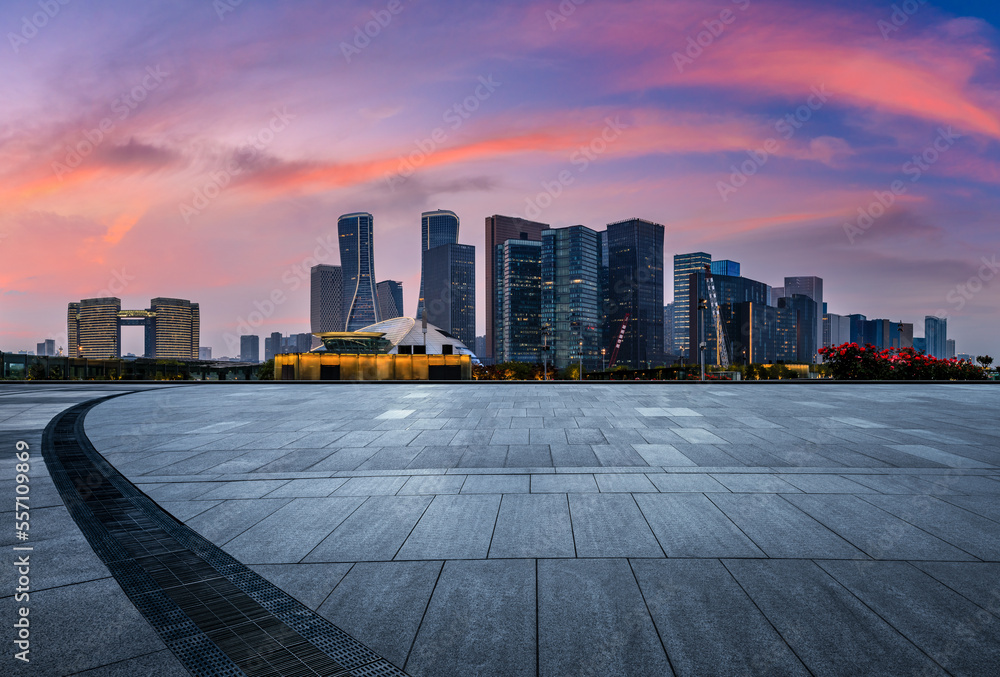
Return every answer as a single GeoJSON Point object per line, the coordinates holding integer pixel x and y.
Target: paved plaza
{"type": "Point", "coordinates": [550, 529]}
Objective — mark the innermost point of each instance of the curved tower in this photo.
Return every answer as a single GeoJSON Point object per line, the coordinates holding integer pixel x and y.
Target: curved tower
{"type": "Point", "coordinates": [436, 229]}
{"type": "Point", "coordinates": [357, 260]}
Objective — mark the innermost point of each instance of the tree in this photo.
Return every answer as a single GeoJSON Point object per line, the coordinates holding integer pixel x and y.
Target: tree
{"type": "Point", "coordinates": [750, 372]}
{"type": "Point", "coordinates": [266, 371]}
{"type": "Point", "coordinates": [985, 360]}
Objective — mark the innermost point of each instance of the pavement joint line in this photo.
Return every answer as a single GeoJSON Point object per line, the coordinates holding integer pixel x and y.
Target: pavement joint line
{"type": "Point", "coordinates": [177, 579]}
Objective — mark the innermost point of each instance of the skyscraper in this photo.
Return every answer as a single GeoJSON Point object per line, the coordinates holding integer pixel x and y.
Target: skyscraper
{"type": "Point", "coordinates": [518, 300]}
{"type": "Point", "coordinates": [499, 229]}
{"type": "Point", "coordinates": [450, 289]}
{"type": "Point", "coordinates": [635, 281]}
{"type": "Point", "coordinates": [249, 348]}
{"type": "Point", "coordinates": [936, 336]}
{"type": "Point", "coordinates": [572, 300]}
{"type": "Point", "coordinates": [949, 349]}
{"type": "Point", "coordinates": [177, 329]}
{"type": "Point", "coordinates": [272, 345]}
{"type": "Point", "coordinates": [684, 265]}
{"type": "Point", "coordinates": [813, 288]}
{"type": "Point", "coordinates": [797, 328]}
{"type": "Point", "coordinates": [326, 291]}
{"type": "Point", "coordinates": [436, 229]}
{"type": "Point", "coordinates": [668, 329]}
{"type": "Point", "coordinates": [731, 292]}
{"type": "Point", "coordinates": [357, 259]}
{"type": "Point", "coordinates": [46, 347]}
{"type": "Point", "coordinates": [93, 328]}
{"type": "Point", "coordinates": [390, 299]}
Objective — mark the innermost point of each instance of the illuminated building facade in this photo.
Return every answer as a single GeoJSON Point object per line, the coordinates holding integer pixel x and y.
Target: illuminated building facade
{"type": "Point", "coordinates": [684, 266]}
{"type": "Point", "coordinates": [172, 328]}
{"type": "Point", "coordinates": [357, 259]}
{"type": "Point", "coordinates": [518, 301]}
{"type": "Point", "coordinates": [635, 281]}
{"type": "Point", "coordinates": [326, 292]}
{"type": "Point", "coordinates": [572, 298]}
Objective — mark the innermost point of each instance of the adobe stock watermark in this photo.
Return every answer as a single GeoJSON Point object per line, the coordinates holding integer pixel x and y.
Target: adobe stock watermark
{"type": "Point", "coordinates": [581, 159]}
{"type": "Point", "coordinates": [292, 279]}
{"type": "Point", "coordinates": [454, 117]}
{"type": "Point", "coordinates": [31, 25]}
{"type": "Point", "coordinates": [122, 106]}
{"type": "Point", "coordinates": [786, 127]}
{"type": "Point", "coordinates": [714, 29]}
{"type": "Point", "coordinates": [220, 179]}
{"type": "Point", "coordinates": [961, 294]}
{"type": "Point", "coordinates": [566, 9]}
{"type": "Point", "coordinates": [364, 34]}
{"type": "Point", "coordinates": [901, 13]}
{"type": "Point", "coordinates": [915, 168]}
{"type": "Point", "coordinates": [224, 7]}
{"type": "Point", "coordinates": [117, 284]}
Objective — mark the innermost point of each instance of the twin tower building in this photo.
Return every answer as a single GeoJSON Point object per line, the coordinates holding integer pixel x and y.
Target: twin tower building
{"type": "Point", "coordinates": [347, 298]}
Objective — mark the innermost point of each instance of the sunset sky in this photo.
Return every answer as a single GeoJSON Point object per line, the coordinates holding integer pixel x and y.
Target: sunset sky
{"type": "Point", "coordinates": [204, 150]}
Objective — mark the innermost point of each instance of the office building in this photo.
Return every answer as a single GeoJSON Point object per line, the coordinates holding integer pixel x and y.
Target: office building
{"type": "Point", "coordinates": [936, 336]}
{"type": "Point", "coordinates": [635, 280]}
{"type": "Point", "coordinates": [684, 265]}
{"type": "Point", "coordinates": [949, 349]}
{"type": "Point", "coordinates": [357, 259]}
{"type": "Point", "coordinates": [518, 300]}
{"type": "Point", "coordinates": [920, 344]}
{"type": "Point", "coordinates": [204, 353]}
{"type": "Point", "coordinates": [776, 293]}
{"type": "Point", "coordinates": [885, 334]}
{"type": "Point", "coordinates": [796, 329]}
{"type": "Point", "coordinates": [860, 333]}
{"type": "Point", "coordinates": [390, 299]}
{"type": "Point", "coordinates": [836, 329]}
{"type": "Point", "coordinates": [731, 293]}
{"type": "Point", "coordinates": [726, 267]}
{"type": "Point", "coordinates": [449, 274]}
{"type": "Point", "coordinates": [250, 349]}
{"type": "Point", "coordinates": [813, 288]}
{"type": "Point", "coordinates": [499, 229]}
{"type": "Point", "coordinates": [480, 346]}
{"type": "Point", "coordinates": [172, 328]}
{"type": "Point", "coordinates": [436, 229]}
{"type": "Point", "coordinates": [668, 329]}
{"type": "Point", "coordinates": [572, 299]}
{"type": "Point", "coordinates": [272, 345]}
{"type": "Point", "coordinates": [46, 347]}
{"type": "Point", "coordinates": [326, 290]}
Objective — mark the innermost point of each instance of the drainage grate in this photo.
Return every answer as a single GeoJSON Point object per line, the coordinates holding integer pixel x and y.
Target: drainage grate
{"type": "Point", "coordinates": [216, 615]}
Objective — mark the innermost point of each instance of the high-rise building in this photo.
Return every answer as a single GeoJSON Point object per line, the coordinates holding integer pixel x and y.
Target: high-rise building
{"type": "Point", "coordinates": [635, 280]}
{"type": "Point", "coordinates": [518, 300]}
{"type": "Point", "coordinates": [836, 329]}
{"type": "Point", "coordinates": [726, 267]}
{"type": "Point", "coordinates": [936, 335]}
{"type": "Point", "coordinates": [731, 292]}
{"type": "Point", "coordinates": [93, 328]}
{"type": "Point", "coordinates": [684, 265]}
{"type": "Point", "coordinates": [204, 353]}
{"type": "Point", "coordinates": [920, 344]}
{"type": "Point", "coordinates": [357, 259]}
{"type": "Point", "coordinates": [813, 288]}
{"type": "Point", "coordinates": [796, 331]}
{"type": "Point", "coordinates": [449, 274]}
{"type": "Point", "coordinates": [436, 229]}
{"type": "Point", "coordinates": [177, 329]}
{"type": "Point", "coordinates": [272, 345]}
{"type": "Point", "coordinates": [776, 293]}
{"type": "Point", "coordinates": [859, 332]}
{"type": "Point", "coordinates": [46, 348]}
{"type": "Point", "coordinates": [499, 229]}
{"type": "Point", "coordinates": [249, 348]}
{"type": "Point", "coordinates": [480, 345]}
{"type": "Point", "coordinates": [390, 299]}
{"type": "Point", "coordinates": [572, 299]}
{"type": "Point", "coordinates": [949, 349]}
{"type": "Point", "coordinates": [326, 302]}
{"type": "Point", "coordinates": [668, 329]}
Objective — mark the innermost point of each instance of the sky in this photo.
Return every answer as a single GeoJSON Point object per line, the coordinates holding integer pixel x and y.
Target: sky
{"type": "Point", "coordinates": [203, 149]}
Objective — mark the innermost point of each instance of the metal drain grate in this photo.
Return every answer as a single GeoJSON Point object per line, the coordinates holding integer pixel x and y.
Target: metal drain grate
{"type": "Point", "coordinates": [216, 615]}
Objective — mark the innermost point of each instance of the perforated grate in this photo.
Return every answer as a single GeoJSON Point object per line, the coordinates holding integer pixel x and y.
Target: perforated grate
{"type": "Point", "coordinates": [216, 615]}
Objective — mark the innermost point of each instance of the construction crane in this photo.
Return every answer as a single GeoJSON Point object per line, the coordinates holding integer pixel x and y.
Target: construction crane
{"type": "Point", "coordinates": [722, 344]}
{"type": "Point", "coordinates": [618, 343]}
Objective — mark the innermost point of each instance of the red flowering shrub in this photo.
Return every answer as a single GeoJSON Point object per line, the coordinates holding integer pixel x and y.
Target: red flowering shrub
{"type": "Point", "coordinates": [849, 361]}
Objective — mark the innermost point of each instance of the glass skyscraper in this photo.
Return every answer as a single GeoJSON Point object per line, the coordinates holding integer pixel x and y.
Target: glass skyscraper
{"type": "Point", "coordinates": [357, 259]}
{"type": "Point", "coordinates": [813, 288]}
{"type": "Point", "coordinates": [249, 348]}
{"type": "Point", "coordinates": [326, 289]}
{"type": "Point", "coordinates": [436, 229]}
{"type": "Point", "coordinates": [518, 300]}
{"type": "Point", "coordinates": [635, 282]}
{"type": "Point", "coordinates": [390, 299]}
{"type": "Point", "coordinates": [726, 267]}
{"type": "Point", "coordinates": [731, 291]}
{"type": "Point", "coordinates": [572, 299]}
{"type": "Point", "coordinates": [684, 265]}
{"type": "Point", "coordinates": [796, 333]}
{"type": "Point", "coordinates": [936, 336]}
{"type": "Point", "coordinates": [450, 289]}
{"type": "Point", "coordinates": [499, 229]}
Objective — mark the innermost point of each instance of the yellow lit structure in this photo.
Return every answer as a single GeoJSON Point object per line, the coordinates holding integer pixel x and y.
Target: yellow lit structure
{"type": "Point", "coordinates": [320, 366]}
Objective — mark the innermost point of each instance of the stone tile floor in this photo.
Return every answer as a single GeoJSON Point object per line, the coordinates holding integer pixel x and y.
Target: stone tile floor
{"type": "Point", "coordinates": [568, 529]}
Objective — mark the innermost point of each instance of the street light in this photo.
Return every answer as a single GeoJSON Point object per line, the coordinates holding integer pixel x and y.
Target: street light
{"type": "Point", "coordinates": [546, 332]}
{"type": "Point", "coordinates": [604, 364]}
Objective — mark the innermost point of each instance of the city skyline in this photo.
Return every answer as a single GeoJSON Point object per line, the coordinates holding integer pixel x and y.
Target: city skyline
{"type": "Point", "coordinates": [222, 166]}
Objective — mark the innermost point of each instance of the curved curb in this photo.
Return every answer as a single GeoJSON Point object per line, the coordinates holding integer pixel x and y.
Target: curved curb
{"type": "Point", "coordinates": [215, 614]}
